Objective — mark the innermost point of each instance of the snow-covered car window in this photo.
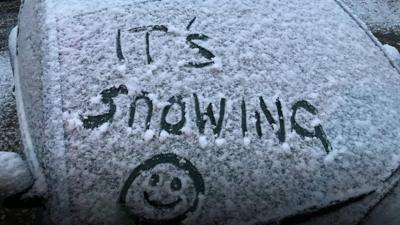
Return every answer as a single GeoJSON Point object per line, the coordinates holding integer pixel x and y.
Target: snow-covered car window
{"type": "Point", "coordinates": [246, 110]}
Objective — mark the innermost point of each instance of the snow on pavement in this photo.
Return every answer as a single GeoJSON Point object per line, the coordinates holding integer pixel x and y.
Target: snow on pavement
{"type": "Point", "coordinates": [9, 130]}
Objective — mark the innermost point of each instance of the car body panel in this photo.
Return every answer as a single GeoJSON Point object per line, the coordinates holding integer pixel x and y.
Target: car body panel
{"type": "Point", "coordinates": [329, 88]}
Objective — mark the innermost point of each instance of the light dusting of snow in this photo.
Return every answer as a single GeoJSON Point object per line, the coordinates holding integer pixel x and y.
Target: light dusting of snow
{"type": "Point", "coordinates": [246, 141]}
{"type": "Point", "coordinates": [393, 53]}
{"type": "Point", "coordinates": [163, 136]}
{"type": "Point", "coordinates": [121, 67]}
{"type": "Point", "coordinates": [9, 130]}
{"type": "Point", "coordinates": [315, 122]}
{"type": "Point", "coordinates": [262, 49]}
{"type": "Point", "coordinates": [148, 135]}
{"type": "Point", "coordinates": [220, 142]}
{"type": "Point", "coordinates": [379, 15]}
{"type": "Point", "coordinates": [187, 131]}
{"type": "Point", "coordinates": [286, 147]}
{"type": "Point", "coordinates": [15, 176]}
{"type": "Point", "coordinates": [203, 141]}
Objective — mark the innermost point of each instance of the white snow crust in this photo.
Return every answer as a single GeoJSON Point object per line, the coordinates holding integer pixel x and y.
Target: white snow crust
{"type": "Point", "coordinates": [381, 16]}
{"type": "Point", "coordinates": [393, 53]}
{"type": "Point", "coordinates": [291, 50]}
{"type": "Point", "coordinates": [15, 176]}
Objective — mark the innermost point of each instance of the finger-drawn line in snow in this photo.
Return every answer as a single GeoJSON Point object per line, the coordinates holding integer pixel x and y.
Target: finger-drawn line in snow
{"type": "Point", "coordinates": [216, 123]}
{"type": "Point", "coordinates": [148, 30]}
{"type": "Point", "coordinates": [107, 95]}
{"type": "Point", "coordinates": [183, 194]}
{"type": "Point", "coordinates": [190, 40]}
{"type": "Point", "coordinates": [120, 55]}
{"type": "Point", "coordinates": [202, 51]}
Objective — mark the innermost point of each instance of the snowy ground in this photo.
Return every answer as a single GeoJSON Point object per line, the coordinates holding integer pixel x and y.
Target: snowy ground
{"type": "Point", "coordinates": [10, 141]}
{"type": "Point", "coordinates": [9, 133]}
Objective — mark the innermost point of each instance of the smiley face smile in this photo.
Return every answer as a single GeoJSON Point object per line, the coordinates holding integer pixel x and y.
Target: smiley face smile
{"type": "Point", "coordinates": [164, 189]}
{"type": "Point", "coordinates": [159, 204]}
{"type": "Point", "coordinates": [156, 182]}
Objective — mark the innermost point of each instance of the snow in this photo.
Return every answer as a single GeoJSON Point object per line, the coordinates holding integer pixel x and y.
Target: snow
{"type": "Point", "coordinates": [12, 45]}
{"type": "Point", "coordinates": [283, 51]}
{"type": "Point", "coordinates": [9, 131]}
{"type": "Point", "coordinates": [163, 136]}
{"type": "Point", "coordinates": [393, 53]}
{"type": "Point", "coordinates": [220, 142]}
{"type": "Point", "coordinates": [203, 141]}
{"type": "Point", "coordinates": [246, 141]}
{"type": "Point", "coordinates": [381, 16]}
{"type": "Point", "coordinates": [39, 130]}
{"type": "Point", "coordinates": [15, 176]}
{"type": "Point", "coordinates": [148, 135]}
{"type": "Point", "coordinates": [286, 147]}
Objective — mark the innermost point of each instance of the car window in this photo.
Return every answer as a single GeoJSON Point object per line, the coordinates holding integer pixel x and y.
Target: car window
{"type": "Point", "coordinates": [254, 108]}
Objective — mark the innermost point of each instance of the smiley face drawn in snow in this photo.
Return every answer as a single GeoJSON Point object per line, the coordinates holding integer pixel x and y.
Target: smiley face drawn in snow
{"type": "Point", "coordinates": [162, 190]}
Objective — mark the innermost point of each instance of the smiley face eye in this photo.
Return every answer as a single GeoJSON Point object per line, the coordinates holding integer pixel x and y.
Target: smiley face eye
{"type": "Point", "coordinates": [176, 184]}
{"type": "Point", "coordinates": [154, 180]}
